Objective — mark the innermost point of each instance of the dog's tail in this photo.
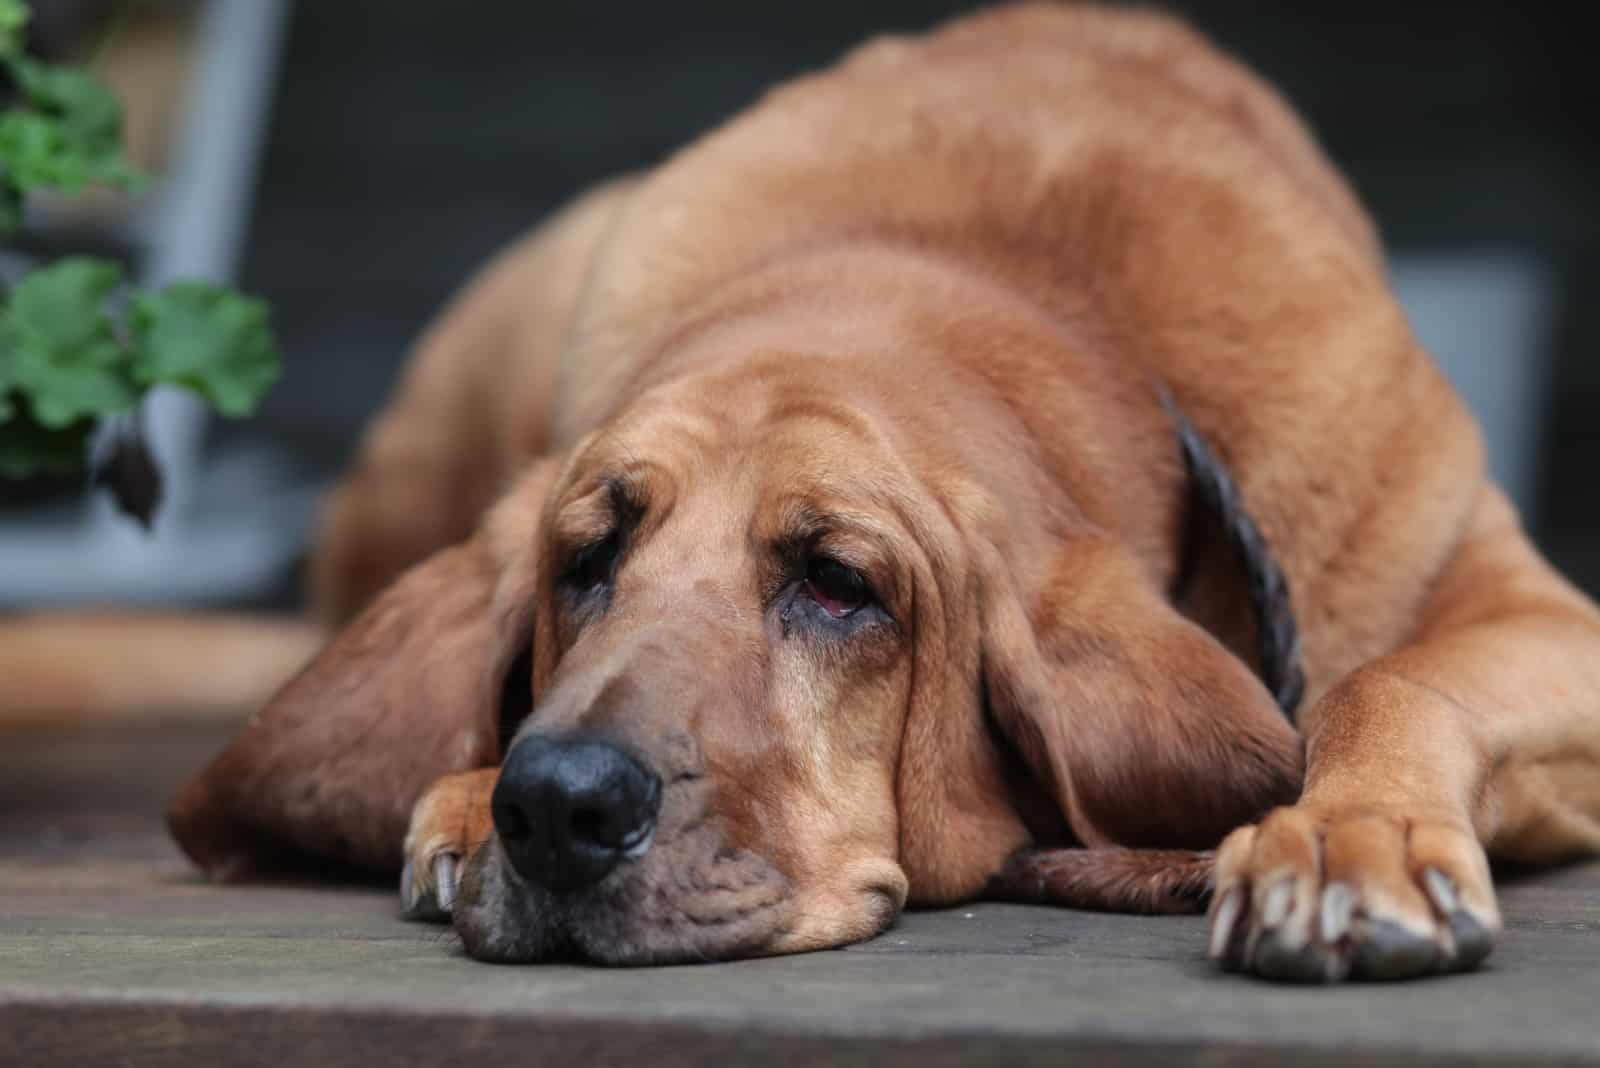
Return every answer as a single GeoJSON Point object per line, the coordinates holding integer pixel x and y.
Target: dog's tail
{"type": "Point", "coordinates": [61, 667]}
{"type": "Point", "coordinates": [1109, 879]}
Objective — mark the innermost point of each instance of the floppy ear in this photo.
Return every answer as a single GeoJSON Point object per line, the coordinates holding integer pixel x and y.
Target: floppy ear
{"type": "Point", "coordinates": [331, 766]}
{"type": "Point", "coordinates": [1142, 726]}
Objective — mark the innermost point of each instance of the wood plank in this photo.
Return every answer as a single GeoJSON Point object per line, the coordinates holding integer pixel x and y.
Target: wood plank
{"type": "Point", "coordinates": [110, 948]}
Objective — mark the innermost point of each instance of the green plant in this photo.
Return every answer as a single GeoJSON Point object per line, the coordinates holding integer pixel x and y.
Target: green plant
{"type": "Point", "coordinates": [67, 361]}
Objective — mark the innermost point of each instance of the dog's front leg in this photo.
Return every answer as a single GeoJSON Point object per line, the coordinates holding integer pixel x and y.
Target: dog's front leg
{"type": "Point", "coordinates": [1482, 737]}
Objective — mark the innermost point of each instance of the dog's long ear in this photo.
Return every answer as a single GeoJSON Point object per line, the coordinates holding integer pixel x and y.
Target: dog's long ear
{"type": "Point", "coordinates": [330, 767]}
{"type": "Point", "coordinates": [1144, 728]}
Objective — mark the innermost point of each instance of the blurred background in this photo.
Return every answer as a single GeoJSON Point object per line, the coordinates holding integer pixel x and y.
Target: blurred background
{"type": "Point", "coordinates": [353, 160]}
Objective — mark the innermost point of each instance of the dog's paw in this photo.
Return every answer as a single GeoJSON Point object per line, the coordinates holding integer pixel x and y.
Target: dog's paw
{"type": "Point", "coordinates": [448, 824]}
{"type": "Point", "coordinates": [1318, 894]}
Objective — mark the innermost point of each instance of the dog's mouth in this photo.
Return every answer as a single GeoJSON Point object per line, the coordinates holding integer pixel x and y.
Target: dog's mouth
{"type": "Point", "coordinates": [603, 854]}
{"type": "Point", "coordinates": [679, 896]}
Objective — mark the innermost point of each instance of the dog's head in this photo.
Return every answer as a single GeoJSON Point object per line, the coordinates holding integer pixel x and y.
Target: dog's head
{"type": "Point", "coordinates": [709, 678]}
{"type": "Point", "coordinates": [790, 640]}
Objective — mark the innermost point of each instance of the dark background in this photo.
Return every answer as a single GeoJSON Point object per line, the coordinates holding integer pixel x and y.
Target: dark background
{"type": "Point", "coordinates": [411, 138]}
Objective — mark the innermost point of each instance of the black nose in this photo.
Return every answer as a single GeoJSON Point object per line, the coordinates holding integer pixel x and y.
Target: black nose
{"type": "Point", "coordinates": [569, 810]}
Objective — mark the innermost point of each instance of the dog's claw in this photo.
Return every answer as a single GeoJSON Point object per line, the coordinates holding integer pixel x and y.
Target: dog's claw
{"type": "Point", "coordinates": [1279, 900]}
{"type": "Point", "coordinates": [408, 891]}
{"type": "Point", "coordinates": [1442, 891]}
{"type": "Point", "coordinates": [1224, 919]}
{"type": "Point", "coordinates": [1471, 939]}
{"type": "Point", "coordinates": [444, 878]}
{"type": "Point", "coordinates": [1283, 944]}
{"type": "Point", "coordinates": [430, 899]}
{"type": "Point", "coordinates": [1338, 909]}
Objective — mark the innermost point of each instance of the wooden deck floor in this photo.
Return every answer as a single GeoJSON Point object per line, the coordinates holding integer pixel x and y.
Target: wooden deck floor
{"type": "Point", "coordinates": [111, 951]}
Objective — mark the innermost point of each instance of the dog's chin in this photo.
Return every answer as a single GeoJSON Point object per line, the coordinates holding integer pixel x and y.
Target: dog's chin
{"type": "Point", "coordinates": [685, 900]}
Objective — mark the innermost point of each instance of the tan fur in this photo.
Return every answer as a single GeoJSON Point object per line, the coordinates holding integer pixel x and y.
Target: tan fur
{"type": "Point", "coordinates": [929, 295]}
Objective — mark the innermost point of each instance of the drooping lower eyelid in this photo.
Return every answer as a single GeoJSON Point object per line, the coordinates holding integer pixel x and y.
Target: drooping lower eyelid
{"type": "Point", "coordinates": [873, 607]}
{"type": "Point", "coordinates": [871, 613]}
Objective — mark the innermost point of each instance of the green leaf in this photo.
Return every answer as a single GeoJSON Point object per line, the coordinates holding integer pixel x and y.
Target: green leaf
{"type": "Point", "coordinates": [208, 339]}
{"type": "Point", "coordinates": [83, 103]}
{"type": "Point", "coordinates": [35, 155]}
{"type": "Point", "coordinates": [69, 134]}
{"type": "Point", "coordinates": [58, 347]}
{"type": "Point", "coordinates": [13, 26]}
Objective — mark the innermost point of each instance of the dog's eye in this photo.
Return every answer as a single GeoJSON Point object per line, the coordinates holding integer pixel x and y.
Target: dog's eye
{"type": "Point", "coordinates": [838, 589]}
{"type": "Point", "coordinates": [594, 565]}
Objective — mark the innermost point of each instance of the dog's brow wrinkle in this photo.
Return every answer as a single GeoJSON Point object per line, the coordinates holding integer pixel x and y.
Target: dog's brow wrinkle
{"type": "Point", "coordinates": [816, 409]}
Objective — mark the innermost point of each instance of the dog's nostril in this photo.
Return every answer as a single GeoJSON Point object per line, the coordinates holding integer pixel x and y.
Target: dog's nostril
{"type": "Point", "coordinates": [590, 825]}
{"type": "Point", "coordinates": [511, 822]}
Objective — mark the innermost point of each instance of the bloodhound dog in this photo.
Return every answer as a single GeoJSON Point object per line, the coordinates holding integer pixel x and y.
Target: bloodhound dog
{"type": "Point", "coordinates": [994, 466]}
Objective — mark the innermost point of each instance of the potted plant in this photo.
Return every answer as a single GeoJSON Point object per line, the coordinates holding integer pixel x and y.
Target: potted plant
{"type": "Point", "coordinates": [79, 349]}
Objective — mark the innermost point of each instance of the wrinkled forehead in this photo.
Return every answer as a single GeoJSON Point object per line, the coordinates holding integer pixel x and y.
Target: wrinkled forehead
{"type": "Point", "coordinates": [783, 428]}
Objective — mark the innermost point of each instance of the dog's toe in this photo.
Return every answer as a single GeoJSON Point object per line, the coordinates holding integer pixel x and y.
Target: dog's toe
{"type": "Point", "coordinates": [448, 823]}
{"type": "Point", "coordinates": [430, 899]}
{"type": "Point", "coordinates": [1385, 949]}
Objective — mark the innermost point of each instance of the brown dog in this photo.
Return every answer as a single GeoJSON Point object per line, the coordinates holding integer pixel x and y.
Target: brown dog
{"type": "Point", "coordinates": [863, 546]}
